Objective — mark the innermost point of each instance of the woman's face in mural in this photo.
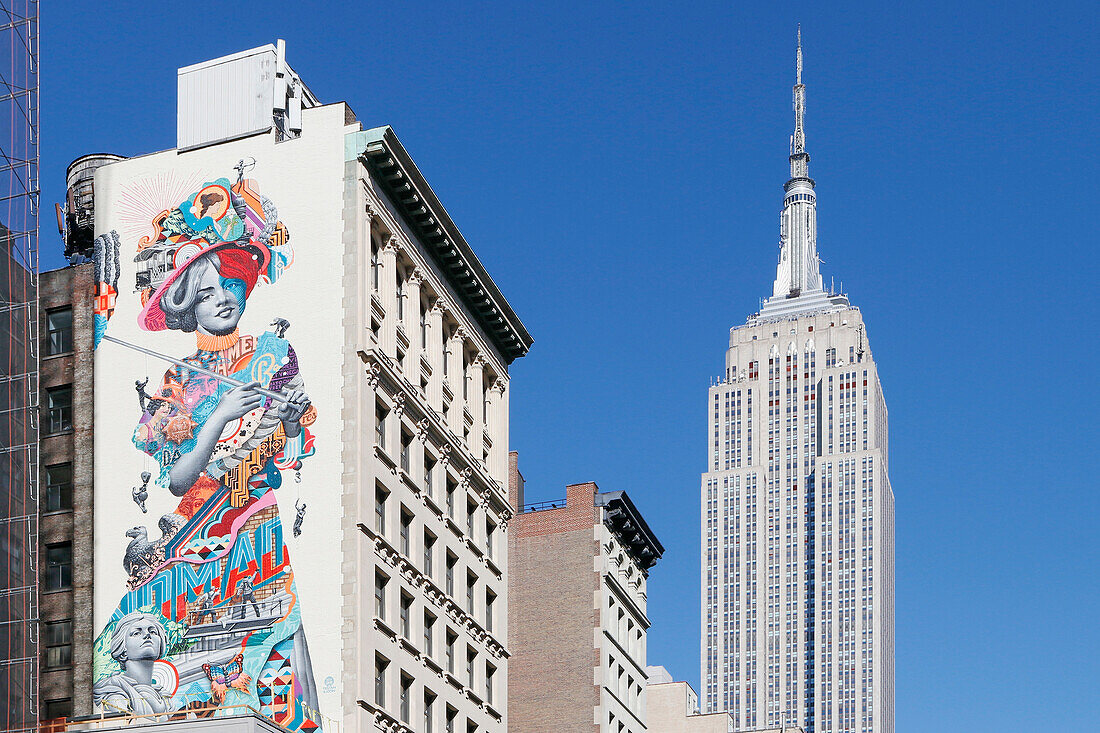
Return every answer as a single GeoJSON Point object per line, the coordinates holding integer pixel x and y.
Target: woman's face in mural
{"type": "Point", "coordinates": [217, 310]}
{"type": "Point", "coordinates": [143, 641]}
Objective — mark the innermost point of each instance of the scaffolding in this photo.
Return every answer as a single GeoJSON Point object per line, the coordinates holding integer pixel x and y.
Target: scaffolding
{"type": "Point", "coordinates": [19, 347]}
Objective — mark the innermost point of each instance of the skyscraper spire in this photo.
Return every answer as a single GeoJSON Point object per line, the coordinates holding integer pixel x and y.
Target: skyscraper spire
{"type": "Point", "coordinates": [799, 158]}
{"type": "Point", "coordinates": [798, 286]}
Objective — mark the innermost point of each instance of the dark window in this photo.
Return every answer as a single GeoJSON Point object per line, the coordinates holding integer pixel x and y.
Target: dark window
{"type": "Point", "coordinates": [380, 595]}
{"type": "Point", "coordinates": [406, 693]}
{"type": "Point", "coordinates": [451, 487]}
{"type": "Point", "coordinates": [380, 496]}
{"type": "Point", "coordinates": [406, 614]}
{"type": "Point", "coordinates": [59, 406]}
{"type": "Point", "coordinates": [451, 639]}
{"type": "Point", "coordinates": [429, 468]}
{"type": "Point", "coordinates": [429, 546]}
{"type": "Point", "coordinates": [471, 583]}
{"type": "Point", "coordinates": [471, 662]}
{"type": "Point", "coordinates": [490, 529]}
{"type": "Point", "coordinates": [471, 511]}
{"type": "Point", "coordinates": [406, 524]}
{"type": "Point", "coordinates": [59, 331]}
{"type": "Point", "coordinates": [380, 414]}
{"type": "Point", "coordinates": [452, 714]}
{"type": "Point", "coordinates": [406, 449]}
{"type": "Point", "coordinates": [490, 599]}
{"type": "Point", "coordinates": [59, 488]}
{"type": "Point", "coordinates": [380, 665]}
{"type": "Point", "coordinates": [429, 711]}
{"type": "Point", "coordinates": [490, 670]}
{"type": "Point", "coordinates": [429, 633]}
{"type": "Point", "coordinates": [400, 299]}
{"type": "Point", "coordinates": [450, 578]}
{"type": "Point", "coordinates": [59, 644]}
{"type": "Point", "coordinates": [59, 566]}
{"type": "Point", "coordinates": [54, 709]}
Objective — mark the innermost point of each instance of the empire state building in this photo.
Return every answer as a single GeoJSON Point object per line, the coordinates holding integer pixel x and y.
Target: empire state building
{"type": "Point", "coordinates": [797, 510]}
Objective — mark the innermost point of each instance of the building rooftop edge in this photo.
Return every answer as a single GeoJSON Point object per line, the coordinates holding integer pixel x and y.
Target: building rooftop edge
{"type": "Point", "coordinates": [421, 209]}
{"type": "Point", "coordinates": [643, 543]}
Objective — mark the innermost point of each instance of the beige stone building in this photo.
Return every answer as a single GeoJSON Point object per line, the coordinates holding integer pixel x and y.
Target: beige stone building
{"type": "Point", "coordinates": [577, 612]}
{"type": "Point", "coordinates": [673, 707]}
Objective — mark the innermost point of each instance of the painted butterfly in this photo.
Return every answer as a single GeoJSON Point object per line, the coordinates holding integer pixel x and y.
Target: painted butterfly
{"type": "Point", "coordinates": [225, 675]}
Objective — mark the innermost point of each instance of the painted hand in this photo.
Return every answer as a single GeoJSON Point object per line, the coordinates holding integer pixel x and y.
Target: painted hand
{"type": "Point", "coordinates": [238, 402]}
{"type": "Point", "coordinates": [297, 402]}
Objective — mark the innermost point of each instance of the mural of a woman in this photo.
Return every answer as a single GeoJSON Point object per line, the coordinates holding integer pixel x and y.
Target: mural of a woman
{"type": "Point", "coordinates": [222, 446]}
{"type": "Point", "coordinates": [138, 640]}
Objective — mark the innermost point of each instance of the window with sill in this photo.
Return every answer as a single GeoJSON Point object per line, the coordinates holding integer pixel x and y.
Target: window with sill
{"type": "Point", "coordinates": [406, 694]}
{"type": "Point", "coordinates": [490, 533]}
{"type": "Point", "coordinates": [406, 530]}
{"type": "Point", "coordinates": [59, 488]}
{"type": "Point", "coordinates": [380, 497]}
{"type": "Point", "coordinates": [429, 633]}
{"type": "Point", "coordinates": [490, 671]}
{"type": "Point", "coordinates": [452, 487]}
{"type": "Point", "coordinates": [380, 665]}
{"type": "Point", "coordinates": [490, 599]}
{"type": "Point", "coordinates": [380, 414]}
{"type": "Point", "coordinates": [471, 584]}
{"type": "Point", "coordinates": [406, 450]}
{"type": "Point", "coordinates": [59, 331]}
{"type": "Point", "coordinates": [380, 582]}
{"type": "Point", "coordinates": [55, 709]}
{"type": "Point", "coordinates": [429, 710]}
{"type": "Point", "coordinates": [449, 582]}
{"type": "Point", "coordinates": [59, 407]}
{"type": "Point", "coordinates": [429, 473]}
{"type": "Point", "coordinates": [471, 663]}
{"type": "Point", "coordinates": [452, 640]}
{"type": "Point", "coordinates": [59, 567]}
{"type": "Point", "coordinates": [400, 298]}
{"type": "Point", "coordinates": [452, 715]}
{"type": "Point", "coordinates": [59, 644]}
{"type": "Point", "coordinates": [429, 551]}
{"type": "Point", "coordinates": [471, 512]}
{"type": "Point", "coordinates": [406, 615]}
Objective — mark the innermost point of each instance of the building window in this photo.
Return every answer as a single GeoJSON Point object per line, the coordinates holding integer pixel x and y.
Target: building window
{"type": "Point", "coordinates": [59, 566]}
{"type": "Point", "coordinates": [429, 548]}
{"type": "Point", "coordinates": [429, 633]}
{"type": "Point", "coordinates": [423, 330]}
{"type": "Point", "coordinates": [380, 581]}
{"type": "Point", "coordinates": [490, 670]}
{"type": "Point", "coordinates": [59, 644]}
{"type": "Point", "coordinates": [406, 449]}
{"type": "Point", "coordinates": [452, 638]}
{"type": "Point", "coordinates": [471, 512]}
{"type": "Point", "coordinates": [451, 488]}
{"type": "Point", "coordinates": [54, 709]}
{"type": "Point", "coordinates": [59, 406]}
{"type": "Point", "coordinates": [406, 614]}
{"type": "Point", "coordinates": [471, 583]}
{"type": "Point", "coordinates": [429, 470]}
{"type": "Point", "coordinates": [490, 599]}
{"type": "Point", "coordinates": [429, 711]}
{"type": "Point", "coordinates": [380, 414]}
{"type": "Point", "coordinates": [406, 529]}
{"type": "Point", "coordinates": [59, 331]}
{"type": "Point", "coordinates": [450, 576]}
{"type": "Point", "coordinates": [374, 265]}
{"type": "Point", "coordinates": [380, 496]}
{"type": "Point", "coordinates": [490, 530]}
{"type": "Point", "coordinates": [59, 488]}
{"type": "Point", "coordinates": [400, 299]}
{"type": "Point", "coordinates": [380, 664]}
{"type": "Point", "coordinates": [471, 662]}
{"type": "Point", "coordinates": [452, 715]}
{"type": "Point", "coordinates": [406, 693]}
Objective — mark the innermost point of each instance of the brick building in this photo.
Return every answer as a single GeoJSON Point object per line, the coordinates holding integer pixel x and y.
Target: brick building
{"type": "Point", "coordinates": [65, 498]}
{"type": "Point", "coordinates": [577, 611]}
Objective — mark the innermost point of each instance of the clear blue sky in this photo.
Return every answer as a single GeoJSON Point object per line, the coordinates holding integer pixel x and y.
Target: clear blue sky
{"type": "Point", "coordinates": [618, 168]}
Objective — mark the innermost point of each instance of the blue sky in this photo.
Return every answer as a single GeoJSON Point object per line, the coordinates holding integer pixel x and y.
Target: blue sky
{"type": "Point", "coordinates": [618, 167]}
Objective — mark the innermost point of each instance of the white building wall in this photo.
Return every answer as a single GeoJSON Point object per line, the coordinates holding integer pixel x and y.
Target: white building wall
{"type": "Point", "coordinates": [620, 637]}
{"type": "Point", "coordinates": [775, 573]}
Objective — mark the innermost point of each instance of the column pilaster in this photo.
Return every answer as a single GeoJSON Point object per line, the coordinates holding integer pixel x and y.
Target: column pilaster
{"type": "Point", "coordinates": [387, 284]}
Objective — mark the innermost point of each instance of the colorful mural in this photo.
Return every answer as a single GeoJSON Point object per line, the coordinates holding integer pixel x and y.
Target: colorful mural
{"type": "Point", "coordinates": [211, 619]}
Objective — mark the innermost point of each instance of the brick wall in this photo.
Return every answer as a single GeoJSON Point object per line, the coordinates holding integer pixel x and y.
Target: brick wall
{"type": "Point", "coordinates": [552, 590]}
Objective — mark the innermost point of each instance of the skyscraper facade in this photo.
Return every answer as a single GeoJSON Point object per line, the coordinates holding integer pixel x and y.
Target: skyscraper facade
{"type": "Point", "coordinates": [797, 510]}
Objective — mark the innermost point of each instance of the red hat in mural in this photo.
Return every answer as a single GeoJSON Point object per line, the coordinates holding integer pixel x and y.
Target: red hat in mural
{"type": "Point", "coordinates": [234, 222]}
{"type": "Point", "coordinates": [241, 260]}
